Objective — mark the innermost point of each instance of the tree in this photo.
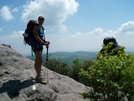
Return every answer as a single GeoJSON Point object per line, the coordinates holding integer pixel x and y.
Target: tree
{"type": "Point", "coordinates": [76, 69]}
{"type": "Point", "coordinates": [87, 64]}
{"type": "Point", "coordinates": [58, 66]}
{"type": "Point", "coordinates": [111, 77]}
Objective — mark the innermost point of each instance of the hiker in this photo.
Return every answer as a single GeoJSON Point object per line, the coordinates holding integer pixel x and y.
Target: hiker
{"type": "Point", "coordinates": [110, 51]}
{"type": "Point", "coordinates": [37, 47]}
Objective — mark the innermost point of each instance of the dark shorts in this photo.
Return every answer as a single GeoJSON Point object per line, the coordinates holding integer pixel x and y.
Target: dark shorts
{"type": "Point", "coordinates": [36, 46]}
{"type": "Point", "coordinates": [37, 49]}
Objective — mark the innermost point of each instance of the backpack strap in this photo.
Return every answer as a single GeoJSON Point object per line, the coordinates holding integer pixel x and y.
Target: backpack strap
{"type": "Point", "coordinates": [39, 30]}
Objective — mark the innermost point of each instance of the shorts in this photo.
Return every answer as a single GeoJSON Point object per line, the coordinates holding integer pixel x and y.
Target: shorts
{"type": "Point", "coordinates": [37, 49]}
{"type": "Point", "coordinates": [35, 45]}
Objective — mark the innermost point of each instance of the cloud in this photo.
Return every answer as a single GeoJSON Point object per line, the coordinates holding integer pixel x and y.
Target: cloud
{"type": "Point", "coordinates": [62, 29]}
{"type": "Point", "coordinates": [76, 35]}
{"type": "Point", "coordinates": [127, 28]}
{"type": "Point", "coordinates": [14, 35]}
{"type": "Point", "coordinates": [54, 11]}
{"type": "Point", "coordinates": [5, 13]}
{"type": "Point", "coordinates": [17, 34]}
{"type": "Point", "coordinates": [16, 42]}
{"type": "Point", "coordinates": [93, 40]}
{"type": "Point", "coordinates": [89, 41]}
{"type": "Point", "coordinates": [15, 10]}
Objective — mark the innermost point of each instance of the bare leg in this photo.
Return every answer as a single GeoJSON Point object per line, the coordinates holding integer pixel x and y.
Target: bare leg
{"type": "Point", "coordinates": [38, 62]}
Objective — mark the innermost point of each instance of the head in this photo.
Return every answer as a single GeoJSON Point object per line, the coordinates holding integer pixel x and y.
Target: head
{"type": "Point", "coordinates": [41, 20]}
{"type": "Point", "coordinates": [110, 39]}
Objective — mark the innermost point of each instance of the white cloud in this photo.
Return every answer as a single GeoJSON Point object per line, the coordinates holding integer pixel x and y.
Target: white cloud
{"type": "Point", "coordinates": [15, 10]}
{"type": "Point", "coordinates": [62, 29]}
{"type": "Point", "coordinates": [16, 42]}
{"type": "Point", "coordinates": [97, 31]}
{"type": "Point", "coordinates": [5, 13]}
{"type": "Point", "coordinates": [127, 28]}
{"type": "Point", "coordinates": [93, 40]}
{"type": "Point", "coordinates": [17, 34]}
{"type": "Point", "coordinates": [54, 11]}
{"type": "Point", "coordinates": [90, 41]}
{"type": "Point", "coordinates": [76, 35]}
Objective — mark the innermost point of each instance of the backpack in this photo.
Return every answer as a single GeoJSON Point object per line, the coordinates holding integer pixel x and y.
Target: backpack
{"type": "Point", "coordinates": [29, 31]}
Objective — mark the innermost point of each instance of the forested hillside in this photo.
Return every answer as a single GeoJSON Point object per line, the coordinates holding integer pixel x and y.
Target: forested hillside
{"type": "Point", "coordinates": [68, 57]}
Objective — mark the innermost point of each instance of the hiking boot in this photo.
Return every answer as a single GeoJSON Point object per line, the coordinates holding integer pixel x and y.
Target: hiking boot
{"type": "Point", "coordinates": [41, 80]}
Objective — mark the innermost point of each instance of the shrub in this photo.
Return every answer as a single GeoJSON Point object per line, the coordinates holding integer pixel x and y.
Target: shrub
{"type": "Point", "coordinates": [58, 66]}
{"type": "Point", "coordinates": [111, 77]}
{"type": "Point", "coordinates": [87, 64]}
{"type": "Point", "coordinates": [76, 69]}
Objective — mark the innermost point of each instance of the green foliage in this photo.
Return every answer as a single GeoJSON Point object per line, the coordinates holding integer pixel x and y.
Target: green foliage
{"type": "Point", "coordinates": [70, 56]}
{"type": "Point", "coordinates": [87, 64]}
{"type": "Point", "coordinates": [63, 68]}
{"type": "Point", "coordinates": [58, 66]}
{"type": "Point", "coordinates": [111, 76]}
{"type": "Point", "coordinates": [76, 69]}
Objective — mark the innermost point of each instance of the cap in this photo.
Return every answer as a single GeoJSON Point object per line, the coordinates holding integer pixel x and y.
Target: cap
{"type": "Point", "coordinates": [40, 18]}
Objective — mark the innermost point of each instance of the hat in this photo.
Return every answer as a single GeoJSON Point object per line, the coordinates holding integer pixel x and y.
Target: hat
{"type": "Point", "coordinates": [110, 39]}
{"type": "Point", "coordinates": [41, 18]}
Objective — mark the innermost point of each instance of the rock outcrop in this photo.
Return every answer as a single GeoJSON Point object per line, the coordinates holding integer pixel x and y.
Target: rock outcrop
{"type": "Point", "coordinates": [16, 83]}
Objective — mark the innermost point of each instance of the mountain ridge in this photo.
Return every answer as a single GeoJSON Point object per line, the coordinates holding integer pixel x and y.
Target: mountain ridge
{"type": "Point", "coordinates": [68, 57]}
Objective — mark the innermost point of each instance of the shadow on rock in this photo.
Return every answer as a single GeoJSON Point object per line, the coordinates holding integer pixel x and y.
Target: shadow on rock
{"type": "Point", "coordinates": [12, 87]}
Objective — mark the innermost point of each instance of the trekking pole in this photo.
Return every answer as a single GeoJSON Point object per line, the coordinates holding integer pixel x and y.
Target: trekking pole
{"type": "Point", "coordinates": [46, 71]}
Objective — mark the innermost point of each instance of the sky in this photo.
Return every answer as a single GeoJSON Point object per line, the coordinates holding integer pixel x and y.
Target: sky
{"type": "Point", "coordinates": [70, 25]}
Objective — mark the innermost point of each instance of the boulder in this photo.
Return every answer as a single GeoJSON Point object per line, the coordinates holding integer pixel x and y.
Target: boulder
{"type": "Point", "coordinates": [17, 83]}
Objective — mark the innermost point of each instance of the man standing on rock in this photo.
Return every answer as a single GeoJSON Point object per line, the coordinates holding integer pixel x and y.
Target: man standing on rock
{"type": "Point", "coordinates": [37, 47]}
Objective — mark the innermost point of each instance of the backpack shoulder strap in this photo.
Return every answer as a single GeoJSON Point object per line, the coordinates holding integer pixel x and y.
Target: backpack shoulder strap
{"type": "Point", "coordinates": [39, 30]}
{"type": "Point", "coordinates": [43, 28]}
{"type": "Point", "coordinates": [39, 27]}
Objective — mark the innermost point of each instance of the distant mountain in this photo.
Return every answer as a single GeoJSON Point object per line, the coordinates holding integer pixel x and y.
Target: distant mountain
{"type": "Point", "coordinates": [70, 56]}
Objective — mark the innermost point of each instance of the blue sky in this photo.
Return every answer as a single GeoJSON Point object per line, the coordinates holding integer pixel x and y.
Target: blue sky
{"type": "Point", "coordinates": [70, 25]}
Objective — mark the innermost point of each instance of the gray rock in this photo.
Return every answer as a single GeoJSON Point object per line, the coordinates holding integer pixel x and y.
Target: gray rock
{"type": "Point", "coordinates": [16, 83]}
